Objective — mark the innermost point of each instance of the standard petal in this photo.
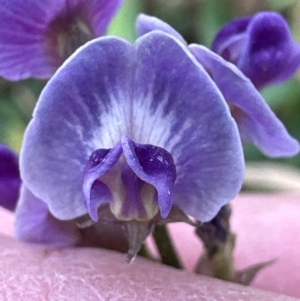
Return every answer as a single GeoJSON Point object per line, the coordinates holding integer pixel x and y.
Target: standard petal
{"type": "Point", "coordinates": [257, 123]}
{"type": "Point", "coordinates": [71, 122]}
{"type": "Point", "coordinates": [146, 24]}
{"type": "Point", "coordinates": [34, 223]}
{"type": "Point", "coordinates": [9, 177]}
{"type": "Point", "coordinates": [185, 113]}
{"type": "Point", "coordinates": [156, 93]}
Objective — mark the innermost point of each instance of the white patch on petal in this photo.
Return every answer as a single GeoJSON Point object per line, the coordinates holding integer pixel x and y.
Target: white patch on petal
{"type": "Point", "coordinates": [140, 122]}
{"type": "Point", "coordinates": [114, 125]}
{"type": "Point", "coordinates": [148, 126]}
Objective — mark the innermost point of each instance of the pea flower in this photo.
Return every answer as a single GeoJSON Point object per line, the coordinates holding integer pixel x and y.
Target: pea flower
{"type": "Point", "coordinates": [37, 36]}
{"type": "Point", "coordinates": [256, 121]}
{"type": "Point", "coordinates": [262, 47]}
{"type": "Point", "coordinates": [9, 177]}
{"type": "Point", "coordinates": [125, 134]}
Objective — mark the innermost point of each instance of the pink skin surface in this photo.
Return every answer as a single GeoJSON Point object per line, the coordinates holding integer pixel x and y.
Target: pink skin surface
{"type": "Point", "coordinates": [267, 226]}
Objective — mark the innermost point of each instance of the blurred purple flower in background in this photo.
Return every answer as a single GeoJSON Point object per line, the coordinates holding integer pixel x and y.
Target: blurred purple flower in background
{"type": "Point", "coordinates": [262, 47]}
{"type": "Point", "coordinates": [9, 177]}
{"type": "Point", "coordinates": [256, 121]}
{"type": "Point", "coordinates": [125, 133]}
{"type": "Point", "coordinates": [37, 36]}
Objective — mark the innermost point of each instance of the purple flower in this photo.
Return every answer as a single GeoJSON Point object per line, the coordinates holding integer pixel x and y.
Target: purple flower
{"type": "Point", "coordinates": [9, 177]}
{"type": "Point", "coordinates": [37, 36]}
{"type": "Point", "coordinates": [256, 121]}
{"type": "Point", "coordinates": [125, 133]}
{"type": "Point", "coordinates": [262, 47]}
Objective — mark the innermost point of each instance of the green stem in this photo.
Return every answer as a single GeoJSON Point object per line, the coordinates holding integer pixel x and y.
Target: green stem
{"type": "Point", "coordinates": [144, 252]}
{"type": "Point", "coordinates": [165, 247]}
{"type": "Point", "coordinates": [219, 243]}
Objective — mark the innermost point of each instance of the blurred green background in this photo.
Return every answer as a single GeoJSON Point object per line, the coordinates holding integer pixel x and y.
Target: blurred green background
{"type": "Point", "coordinates": [198, 21]}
